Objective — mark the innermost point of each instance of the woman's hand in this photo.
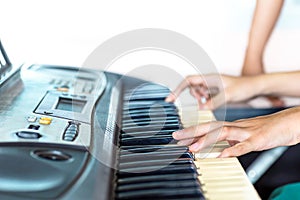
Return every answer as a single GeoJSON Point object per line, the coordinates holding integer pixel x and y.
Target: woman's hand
{"type": "Point", "coordinates": [230, 89]}
{"type": "Point", "coordinates": [254, 134]}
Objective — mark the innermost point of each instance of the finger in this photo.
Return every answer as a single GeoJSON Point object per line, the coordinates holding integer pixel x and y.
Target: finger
{"type": "Point", "coordinates": [197, 131]}
{"type": "Point", "coordinates": [204, 92]}
{"type": "Point", "coordinates": [194, 91]}
{"type": "Point", "coordinates": [206, 104]}
{"type": "Point", "coordinates": [232, 142]}
{"type": "Point", "coordinates": [186, 142]}
{"type": "Point", "coordinates": [237, 150]}
{"type": "Point", "coordinates": [172, 96]}
{"type": "Point", "coordinates": [215, 101]}
{"type": "Point", "coordinates": [199, 93]}
{"type": "Point", "coordinates": [214, 136]}
{"type": "Point", "coordinates": [276, 101]}
{"type": "Point", "coordinates": [205, 141]}
{"type": "Point", "coordinates": [189, 81]}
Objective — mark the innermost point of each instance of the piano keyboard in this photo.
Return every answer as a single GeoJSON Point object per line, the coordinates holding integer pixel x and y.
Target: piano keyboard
{"type": "Point", "coordinates": [151, 165]}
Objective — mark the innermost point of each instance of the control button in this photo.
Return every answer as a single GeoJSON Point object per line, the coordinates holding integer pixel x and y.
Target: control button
{"type": "Point", "coordinates": [63, 89]}
{"type": "Point", "coordinates": [69, 138]}
{"type": "Point", "coordinates": [71, 133]}
{"type": "Point", "coordinates": [34, 127]}
{"type": "Point", "coordinates": [72, 128]}
{"type": "Point", "coordinates": [82, 96]}
{"type": "Point", "coordinates": [53, 155]}
{"type": "Point", "coordinates": [31, 119]}
{"type": "Point", "coordinates": [45, 120]}
{"type": "Point", "coordinates": [28, 135]}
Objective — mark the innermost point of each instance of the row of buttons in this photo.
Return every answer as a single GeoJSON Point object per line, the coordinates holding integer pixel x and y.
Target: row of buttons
{"type": "Point", "coordinates": [74, 95]}
{"type": "Point", "coordinates": [81, 87]}
{"type": "Point", "coordinates": [42, 120]}
{"type": "Point", "coordinates": [71, 131]}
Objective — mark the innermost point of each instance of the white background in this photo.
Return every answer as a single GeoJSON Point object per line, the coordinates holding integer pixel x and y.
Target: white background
{"type": "Point", "coordinates": [65, 32]}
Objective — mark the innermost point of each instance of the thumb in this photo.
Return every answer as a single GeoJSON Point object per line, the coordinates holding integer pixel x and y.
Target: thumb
{"type": "Point", "coordinates": [214, 102]}
{"type": "Point", "coordinates": [218, 100]}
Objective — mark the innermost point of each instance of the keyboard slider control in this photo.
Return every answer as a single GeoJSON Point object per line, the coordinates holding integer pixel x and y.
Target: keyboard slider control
{"type": "Point", "coordinates": [71, 131]}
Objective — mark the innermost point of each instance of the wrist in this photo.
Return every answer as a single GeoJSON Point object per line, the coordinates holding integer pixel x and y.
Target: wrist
{"type": "Point", "coordinates": [255, 52]}
{"type": "Point", "coordinates": [260, 84]}
{"type": "Point", "coordinates": [253, 63]}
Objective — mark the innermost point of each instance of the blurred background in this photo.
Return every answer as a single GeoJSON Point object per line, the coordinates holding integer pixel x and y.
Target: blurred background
{"type": "Point", "coordinates": [66, 32]}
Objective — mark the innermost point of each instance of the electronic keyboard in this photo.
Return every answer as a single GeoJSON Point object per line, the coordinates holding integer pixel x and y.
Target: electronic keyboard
{"type": "Point", "coordinates": [75, 133]}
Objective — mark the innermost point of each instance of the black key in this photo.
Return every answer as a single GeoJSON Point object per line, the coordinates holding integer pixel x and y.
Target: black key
{"type": "Point", "coordinates": [158, 128]}
{"type": "Point", "coordinates": [163, 162]}
{"type": "Point", "coordinates": [151, 127]}
{"type": "Point", "coordinates": [143, 105]}
{"type": "Point", "coordinates": [146, 97]}
{"type": "Point", "coordinates": [145, 136]}
{"type": "Point", "coordinates": [150, 132]}
{"type": "Point", "coordinates": [148, 88]}
{"type": "Point", "coordinates": [143, 117]}
{"type": "Point", "coordinates": [146, 178]}
{"type": "Point", "coordinates": [172, 118]}
{"type": "Point", "coordinates": [140, 94]}
{"type": "Point", "coordinates": [159, 151]}
{"type": "Point", "coordinates": [157, 185]}
{"type": "Point", "coordinates": [154, 156]}
{"type": "Point", "coordinates": [150, 148]}
{"type": "Point", "coordinates": [147, 91]}
{"type": "Point", "coordinates": [146, 105]}
{"type": "Point", "coordinates": [147, 141]}
{"type": "Point", "coordinates": [162, 193]}
{"type": "Point", "coordinates": [150, 115]}
{"type": "Point", "coordinates": [150, 123]}
{"type": "Point", "coordinates": [154, 170]}
{"type": "Point", "coordinates": [154, 115]}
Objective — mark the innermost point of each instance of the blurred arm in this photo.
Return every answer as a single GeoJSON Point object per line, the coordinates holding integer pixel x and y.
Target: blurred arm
{"type": "Point", "coordinates": [265, 17]}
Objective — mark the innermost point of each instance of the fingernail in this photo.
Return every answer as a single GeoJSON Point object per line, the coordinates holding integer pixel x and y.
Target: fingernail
{"type": "Point", "coordinates": [175, 134]}
{"type": "Point", "coordinates": [194, 146]}
{"type": "Point", "coordinates": [203, 100]}
{"type": "Point", "coordinates": [169, 98]}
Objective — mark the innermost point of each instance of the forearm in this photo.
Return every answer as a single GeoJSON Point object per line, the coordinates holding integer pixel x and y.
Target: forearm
{"type": "Point", "coordinates": [264, 19]}
{"type": "Point", "coordinates": [282, 84]}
